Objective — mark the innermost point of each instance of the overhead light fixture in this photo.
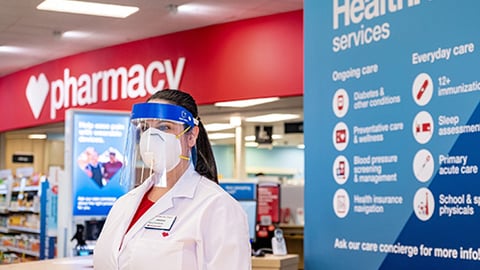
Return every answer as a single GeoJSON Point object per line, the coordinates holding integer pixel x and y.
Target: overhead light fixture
{"type": "Point", "coordinates": [37, 136]}
{"type": "Point", "coordinates": [273, 117]}
{"type": "Point", "coordinates": [88, 8]}
{"type": "Point", "coordinates": [217, 126]}
{"type": "Point", "coordinates": [196, 9]}
{"type": "Point", "coordinates": [75, 34]}
{"type": "Point", "coordinates": [219, 136]}
{"type": "Point", "coordinates": [246, 102]}
{"type": "Point", "coordinates": [10, 49]}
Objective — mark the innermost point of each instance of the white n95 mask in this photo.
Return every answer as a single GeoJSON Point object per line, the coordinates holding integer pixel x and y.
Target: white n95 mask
{"type": "Point", "coordinates": [160, 150]}
{"type": "Point", "coordinates": [152, 150]}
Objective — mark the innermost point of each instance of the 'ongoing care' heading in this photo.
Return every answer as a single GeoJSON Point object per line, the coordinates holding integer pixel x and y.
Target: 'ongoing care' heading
{"type": "Point", "coordinates": [355, 12]}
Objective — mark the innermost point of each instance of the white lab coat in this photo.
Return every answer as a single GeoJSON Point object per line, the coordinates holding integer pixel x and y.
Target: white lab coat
{"type": "Point", "coordinates": [210, 231]}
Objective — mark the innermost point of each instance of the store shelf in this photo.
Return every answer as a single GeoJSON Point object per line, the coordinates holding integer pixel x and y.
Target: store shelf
{"type": "Point", "coordinates": [22, 251]}
{"type": "Point", "coordinates": [26, 189]}
{"type": "Point", "coordinates": [24, 209]}
{"type": "Point", "coordinates": [22, 222]}
{"type": "Point", "coordinates": [23, 229]}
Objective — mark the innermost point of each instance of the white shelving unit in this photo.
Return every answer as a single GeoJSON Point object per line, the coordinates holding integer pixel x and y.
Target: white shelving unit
{"type": "Point", "coordinates": [5, 194]}
{"type": "Point", "coordinates": [23, 215]}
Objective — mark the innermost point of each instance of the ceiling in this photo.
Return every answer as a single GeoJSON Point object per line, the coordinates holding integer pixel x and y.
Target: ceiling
{"type": "Point", "coordinates": [37, 33]}
{"type": "Point", "coordinates": [37, 36]}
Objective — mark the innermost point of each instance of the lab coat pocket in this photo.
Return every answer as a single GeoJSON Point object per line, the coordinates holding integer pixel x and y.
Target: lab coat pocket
{"type": "Point", "coordinates": [151, 253]}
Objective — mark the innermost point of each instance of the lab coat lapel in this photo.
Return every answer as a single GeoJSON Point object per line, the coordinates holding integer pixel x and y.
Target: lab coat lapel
{"type": "Point", "coordinates": [185, 187]}
{"type": "Point", "coordinates": [130, 207]}
{"type": "Point", "coordinates": [187, 184]}
{"type": "Point", "coordinates": [162, 205]}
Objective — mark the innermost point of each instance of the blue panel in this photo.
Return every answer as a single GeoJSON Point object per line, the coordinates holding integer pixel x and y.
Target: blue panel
{"type": "Point", "coordinates": [97, 133]}
{"type": "Point", "coordinates": [392, 126]}
{"type": "Point", "coordinates": [241, 191]}
{"type": "Point", "coordinates": [250, 208]}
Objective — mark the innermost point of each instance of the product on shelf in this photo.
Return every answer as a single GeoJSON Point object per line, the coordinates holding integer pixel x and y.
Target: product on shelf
{"type": "Point", "coordinates": [20, 216]}
{"type": "Point", "coordinates": [24, 220]}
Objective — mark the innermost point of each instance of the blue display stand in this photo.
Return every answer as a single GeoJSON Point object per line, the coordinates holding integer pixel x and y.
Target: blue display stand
{"type": "Point", "coordinates": [48, 210]}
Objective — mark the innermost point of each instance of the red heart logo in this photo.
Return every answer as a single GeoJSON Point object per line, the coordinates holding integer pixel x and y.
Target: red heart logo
{"type": "Point", "coordinates": [164, 234]}
{"type": "Point", "coordinates": [36, 92]}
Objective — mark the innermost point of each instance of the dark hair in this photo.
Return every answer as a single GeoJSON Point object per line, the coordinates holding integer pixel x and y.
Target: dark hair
{"type": "Point", "coordinates": [206, 165]}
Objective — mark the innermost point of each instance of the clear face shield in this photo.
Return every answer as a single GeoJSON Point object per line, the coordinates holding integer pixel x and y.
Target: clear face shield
{"type": "Point", "coordinates": [154, 143]}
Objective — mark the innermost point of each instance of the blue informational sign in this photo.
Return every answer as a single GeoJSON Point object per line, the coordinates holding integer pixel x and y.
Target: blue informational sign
{"type": "Point", "coordinates": [392, 128]}
{"type": "Point", "coordinates": [241, 191]}
{"type": "Point", "coordinates": [98, 142]}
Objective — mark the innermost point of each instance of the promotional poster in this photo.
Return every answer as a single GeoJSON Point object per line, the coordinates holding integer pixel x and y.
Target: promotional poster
{"type": "Point", "coordinates": [392, 126]}
{"type": "Point", "coordinates": [98, 142]}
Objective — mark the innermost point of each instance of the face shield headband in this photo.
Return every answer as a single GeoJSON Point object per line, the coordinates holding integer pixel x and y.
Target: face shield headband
{"type": "Point", "coordinates": [165, 148]}
{"type": "Point", "coordinates": [170, 112]}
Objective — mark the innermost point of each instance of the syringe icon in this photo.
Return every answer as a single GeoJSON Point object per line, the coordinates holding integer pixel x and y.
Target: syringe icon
{"type": "Point", "coordinates": [422, 90]}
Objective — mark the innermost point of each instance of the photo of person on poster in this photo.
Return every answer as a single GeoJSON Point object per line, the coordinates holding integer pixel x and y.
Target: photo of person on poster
{"type": "Point", "coordinates": [89, 163]}
{"type": "Point", "coordinates": [100, 167]}
{"type": "Point", "coordinates": [112, 166]}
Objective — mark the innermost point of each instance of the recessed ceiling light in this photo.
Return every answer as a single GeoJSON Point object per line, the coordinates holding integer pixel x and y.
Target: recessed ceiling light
{"type": "Point", "coordinates": [10, 49]}
{"type": "Point", "coordinates": [37, 136]}
{"type": "Point", "coordinates": [217, 126]}
{"type": "Point", "coordinates": [195, 9]}
{"type": "Point", "coordinates": [246, 102]}
{"type": "Point", "coordinates": [75, 34]}
{"type": "Point", "coordinates": [273, 117]}
{"type": "Point", "coordinates": [88, 8]}
{"type": "Point", "coordinates": [219, 136]}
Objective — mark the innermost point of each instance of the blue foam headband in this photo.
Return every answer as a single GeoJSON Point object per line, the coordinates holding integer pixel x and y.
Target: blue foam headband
{"type": "Point", "coordinates": [153, 110]}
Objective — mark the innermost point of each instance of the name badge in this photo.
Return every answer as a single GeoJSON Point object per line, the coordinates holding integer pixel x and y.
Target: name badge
{"type": "Point", "coordinates": [161, 222]}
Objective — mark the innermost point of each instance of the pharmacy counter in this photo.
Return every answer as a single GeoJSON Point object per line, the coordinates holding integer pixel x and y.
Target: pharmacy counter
{"type": "Point", "coordinates": [74, 263]}
{"type": "Point", "coordinates": [268, 262]}
{"type": "Point", "coordinates": [273, 262]}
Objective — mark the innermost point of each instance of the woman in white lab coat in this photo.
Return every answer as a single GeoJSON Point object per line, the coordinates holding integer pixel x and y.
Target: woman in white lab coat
{"type": "Point", "coordinates": [179, 217]}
